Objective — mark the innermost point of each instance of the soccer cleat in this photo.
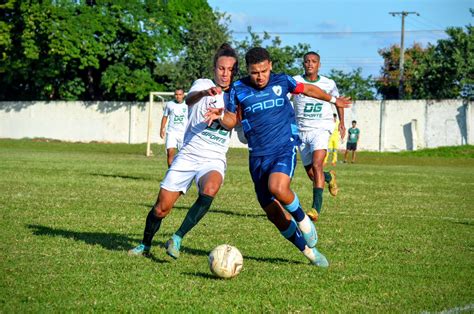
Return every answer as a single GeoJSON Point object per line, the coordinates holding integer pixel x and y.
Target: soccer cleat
{"type": "Point", "coordinates": [140, 250]}
{"type": "Point", "coordinates": [172, 246]}
{"type": "Point", "coordinates": [319, 259]}
{"type": "Point", "coordinates": [333, 189]}
{"type": "Point", "coordinates": [313, 214]}
{"type": "Point", "coordinates": [311, 237]}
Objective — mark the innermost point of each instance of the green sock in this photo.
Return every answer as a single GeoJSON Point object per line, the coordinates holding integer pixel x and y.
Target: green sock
{"type": "Point", "coordinates": [318, 199]}
{"type": "Point", "coordinates": [327, 176]}
{"type": "Point", "coordinates": [195, 213]}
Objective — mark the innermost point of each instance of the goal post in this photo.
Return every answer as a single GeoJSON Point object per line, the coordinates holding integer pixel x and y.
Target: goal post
{"type": "Point", "coordinates": [151, 103]}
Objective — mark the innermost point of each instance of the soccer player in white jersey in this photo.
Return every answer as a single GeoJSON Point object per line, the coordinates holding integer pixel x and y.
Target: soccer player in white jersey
{"type": "Point", "coordinates": [175, 114]}
{"type": "Point", "coordinates": [315, 121]}
{"type": "Point", "coordinates": [201, 159]}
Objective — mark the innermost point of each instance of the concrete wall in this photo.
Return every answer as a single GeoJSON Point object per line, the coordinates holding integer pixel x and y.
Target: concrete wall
{"type": "Point", "coordinates": [384, 125]}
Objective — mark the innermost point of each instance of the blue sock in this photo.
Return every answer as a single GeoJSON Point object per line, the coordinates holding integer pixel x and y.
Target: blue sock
{"type": "Point", "coordinates": [293, 234]}
{"type": "Point", "coordinates": [295, 209]}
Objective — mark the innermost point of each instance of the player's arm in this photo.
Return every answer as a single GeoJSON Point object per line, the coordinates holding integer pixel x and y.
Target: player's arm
{"type": "Point", "coordinates": [226, 118]}
{"type": "Point", "coordinates": [196, 96]}
{"type": "Point", "coordinates": [316, 92]}
{"type": "Point", "coordinates": [342, 126]}
{"type": "Point", "coordinates": [163, 126]}
{"type": "Point", "coordinates": [340, 111]}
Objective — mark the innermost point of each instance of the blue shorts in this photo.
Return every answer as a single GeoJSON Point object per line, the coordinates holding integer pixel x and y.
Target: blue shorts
{"type": "Point", "coordinates": [261, 167]}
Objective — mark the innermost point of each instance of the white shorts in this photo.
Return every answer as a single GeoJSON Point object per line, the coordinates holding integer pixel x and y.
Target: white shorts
{"type": "Point", "coordinates": [186, 168]}
{"type": "Point", "coordinates": [317, 139]}
{"type": "Point", "coordinates": [174, 140]}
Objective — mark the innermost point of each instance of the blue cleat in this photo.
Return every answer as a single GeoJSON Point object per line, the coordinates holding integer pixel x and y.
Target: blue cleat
{"type": "Point", "coordinates": [319, 259]}
{"type": "Point", "coordinates": [173, 245]}
{"type": "Point", "coordinates": [140, 250]}
{"type": "Point", "coordinates": [311, 237]}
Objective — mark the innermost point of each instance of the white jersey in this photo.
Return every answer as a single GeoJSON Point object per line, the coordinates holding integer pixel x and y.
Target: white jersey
{"type": "Point", "coordinates": [200, 140]}
{"type": "Point", "coordinates": [314, 113]}
{"type": "Point", "coordinates": [177, 116]}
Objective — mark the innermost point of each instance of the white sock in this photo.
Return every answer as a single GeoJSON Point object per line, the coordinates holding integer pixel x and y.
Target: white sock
{"type": "Point", "coordinates": [308, 252]}
{"type": "Point", "coordinates": [305, 224]}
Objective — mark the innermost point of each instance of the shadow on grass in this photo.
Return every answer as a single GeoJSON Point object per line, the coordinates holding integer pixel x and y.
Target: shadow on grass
{"type": "Point", "coordinates": [119, 242]}
{"type": "Point", "coordinates": [202, 275]}
{"type": "Point", "coordinates": [273, 260]}
{"type": "Point", "coordinates": [120, 176]}
{"type": "Point", "coordinates": [215, 211]}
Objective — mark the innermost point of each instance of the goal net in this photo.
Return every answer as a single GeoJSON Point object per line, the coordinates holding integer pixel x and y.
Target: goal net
{"type": "Point", "coordinates": [156, 102]}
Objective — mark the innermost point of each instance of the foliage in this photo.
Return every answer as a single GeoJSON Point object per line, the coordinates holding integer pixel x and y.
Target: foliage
{"type": "Point", "coordinates": [436, 72]}
{"type": "Point", "coordinates": [399, 236]}
{"type": "Point", "coordinates": [352, 84]}
{"type": "Point", "coordinates": [285, 59]}
{"type": "Point", "coordinates": [94, 49]}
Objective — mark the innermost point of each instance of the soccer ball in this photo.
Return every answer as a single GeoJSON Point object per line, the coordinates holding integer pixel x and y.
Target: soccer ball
{"type": "Point", "coordinates": [225, 261]}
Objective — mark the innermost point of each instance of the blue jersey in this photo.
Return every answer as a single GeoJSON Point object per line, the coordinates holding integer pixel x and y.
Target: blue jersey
{"type": "Point", "coordinates": [268, 118]}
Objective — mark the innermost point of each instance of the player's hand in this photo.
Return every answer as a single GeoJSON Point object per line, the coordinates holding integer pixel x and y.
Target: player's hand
{"type": "Point", "coordinates": [342, 130]}
{"type": "Point", "coordinates": [343, 102]}
{"type": "Point", "coordinates": [213, 91]}
{"type": "Point", "coordinates": [212, 114]}
{"type": "Point", "coordinates": [162, 133]}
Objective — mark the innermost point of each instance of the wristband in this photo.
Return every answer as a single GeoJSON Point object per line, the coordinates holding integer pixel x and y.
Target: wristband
{"type": "Point", "coordinates": [221, 116]}
{"type": "Point", "coordinates": [333, 100]}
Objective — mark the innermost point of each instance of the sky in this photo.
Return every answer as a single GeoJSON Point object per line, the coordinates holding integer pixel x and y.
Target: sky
{"type": "Point", "coordinates": [347, 33]}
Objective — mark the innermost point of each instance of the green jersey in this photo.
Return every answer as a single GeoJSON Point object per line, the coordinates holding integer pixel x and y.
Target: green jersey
{"type": "Point", "coordinates": [353, 135]}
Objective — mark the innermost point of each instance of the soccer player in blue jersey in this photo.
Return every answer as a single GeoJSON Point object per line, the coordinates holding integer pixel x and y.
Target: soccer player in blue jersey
{"type": "Point", "coordinates": [268, 121]}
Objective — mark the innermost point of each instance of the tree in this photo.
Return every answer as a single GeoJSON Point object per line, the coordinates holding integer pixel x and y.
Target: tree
{"type": "Point", "coordinates": [435, 72]}
{"type": "Point", "coordinates": [414, 70]}
{"type": "Point", "coordinates": [353, 84]}
{"type": "Point", "coordinates": [203, 33]}
{"type": "Point", "coordinates": [287, 59]}
{"type": "Point", "coordinates": [91, 50]}
{"type": "Point", "coordinates": [451, 65]}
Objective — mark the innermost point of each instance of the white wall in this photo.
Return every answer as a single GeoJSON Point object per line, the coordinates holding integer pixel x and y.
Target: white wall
{"type": "Point", "coordinates": [385, 125]}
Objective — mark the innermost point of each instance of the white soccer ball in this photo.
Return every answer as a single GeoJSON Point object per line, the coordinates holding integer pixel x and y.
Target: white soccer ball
{"type": "Point", "coordinates": [225, 261]}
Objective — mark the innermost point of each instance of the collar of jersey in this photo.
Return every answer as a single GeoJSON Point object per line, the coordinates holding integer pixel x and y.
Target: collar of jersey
{"type": "Point", "coordinates": [304, 78]}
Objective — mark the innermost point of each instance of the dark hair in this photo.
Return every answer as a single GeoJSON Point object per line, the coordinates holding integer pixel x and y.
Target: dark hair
{"type": "Point", "coordinates": [225, 50]}
{"type": "Point", "coordinates": [256, 55]}
{"type": "Point", "coordinates": [311, 53]}
{"type": "Point", "coordinates": [354, 121]}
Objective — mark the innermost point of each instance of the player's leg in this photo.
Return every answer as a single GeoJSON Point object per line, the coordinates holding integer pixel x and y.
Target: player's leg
{"type": "Point", "coordinates": [318, 183]}
{"type": "Point", "coordinates": [210, 177]}
{"type": "Point", "coordinates": [346, 152]}
{"type": "Point", "coordinates": [281, 170]}
{"type": "Point", "coordinates": [334, 148]}
{"type": "Point", "coordinates": [177, 181]}
{"type": "Point", "coordinates": [289, 229]}
{"type": "Point", "coordinates": [160, 210]}
{"type": "Point", "coordinates": [354, 153]}
{"type": "Point", "coordinates": [170, 152]}
{"type": "Point", "coordinates": [172, 142]}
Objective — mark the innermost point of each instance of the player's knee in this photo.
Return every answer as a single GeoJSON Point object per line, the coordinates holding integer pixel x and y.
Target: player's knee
{"type": "Point", "coordinates": [160, 211]}
{"type": "Point", "coordinates": [278, 190]}
{"type": "Point", "coordinates": [317, 167]}
{"type": "Point", "coordinates": [210, 189]}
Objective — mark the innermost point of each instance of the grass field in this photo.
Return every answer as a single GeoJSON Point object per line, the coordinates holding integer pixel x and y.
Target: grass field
{"type": "Point", "coordinates": [399, 236]}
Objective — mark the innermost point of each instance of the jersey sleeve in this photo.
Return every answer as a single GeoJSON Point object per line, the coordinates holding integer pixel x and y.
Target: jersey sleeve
{"type": "Point", "coordinates": [166, 110]}
{"type": "Point", "coordinates": [201, 84]}
{"type": "Point", "coordinates": [232, 101]}
{"type": "Point", "coordinates": [334, 91]}
{"type": "Point", "coordinates": [294, 87]}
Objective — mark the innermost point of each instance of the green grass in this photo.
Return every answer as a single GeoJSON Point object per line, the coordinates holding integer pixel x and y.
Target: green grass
{"type": "Point", "coordinates": [399, 237]}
